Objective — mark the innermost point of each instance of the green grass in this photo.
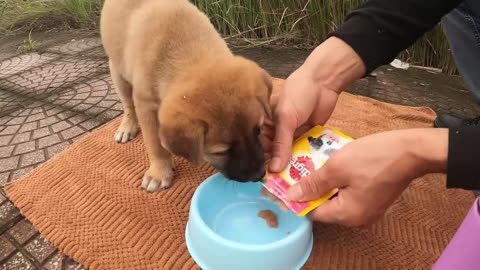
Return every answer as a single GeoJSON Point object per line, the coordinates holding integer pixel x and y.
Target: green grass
{"type": "Point", "coordinates": [29, 44]}
{"type": "Point", "coordinates": [306, 23]}
{"type": "Point", "coordinates": [302, 23]}
{"type": "Point", "coordinates": [26, 15]}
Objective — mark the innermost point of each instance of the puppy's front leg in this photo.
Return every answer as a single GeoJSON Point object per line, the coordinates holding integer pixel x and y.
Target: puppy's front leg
{"type": "Point", "coordinates": [160, 174]}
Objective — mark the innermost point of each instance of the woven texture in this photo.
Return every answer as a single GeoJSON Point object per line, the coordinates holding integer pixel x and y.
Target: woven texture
{"type": "Point", "coordinates": [87, 202]}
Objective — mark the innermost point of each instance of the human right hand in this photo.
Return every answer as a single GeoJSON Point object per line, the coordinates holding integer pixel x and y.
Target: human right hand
{"type": "Point", "coordinates": [310, 94]}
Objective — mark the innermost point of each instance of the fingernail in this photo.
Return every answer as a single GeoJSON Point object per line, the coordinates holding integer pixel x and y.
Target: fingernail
{"type": "Point", "coordinates": [275, 164]}
{"type": "Point", "coordinates": [295, 193]}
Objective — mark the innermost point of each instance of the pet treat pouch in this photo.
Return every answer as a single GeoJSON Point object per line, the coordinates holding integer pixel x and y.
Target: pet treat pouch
{"type": "Point", "coordinates": [309, 153]}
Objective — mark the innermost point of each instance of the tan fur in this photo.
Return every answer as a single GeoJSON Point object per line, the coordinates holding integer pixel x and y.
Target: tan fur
{"type": "Point", "coordinates": [179, 83]}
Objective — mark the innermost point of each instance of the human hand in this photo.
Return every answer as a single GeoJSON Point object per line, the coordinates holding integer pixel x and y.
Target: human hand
{"type": "Point", "coordinates": [310, 95]}
{"type": "Point", "coordinates": [371, 173]}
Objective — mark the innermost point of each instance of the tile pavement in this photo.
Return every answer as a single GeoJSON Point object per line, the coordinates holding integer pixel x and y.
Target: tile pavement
{"type": "Point", "coordinates": [50, 100]}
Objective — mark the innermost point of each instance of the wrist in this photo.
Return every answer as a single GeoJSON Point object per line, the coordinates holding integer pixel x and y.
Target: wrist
{"type": "Point", "coordinates": [430, 147]}
{"type": "Point", "coordinates": [334, 64]}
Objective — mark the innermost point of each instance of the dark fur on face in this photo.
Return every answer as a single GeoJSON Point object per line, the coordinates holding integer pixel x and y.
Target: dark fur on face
{"type": "Point", "coordinates": [243, 160]}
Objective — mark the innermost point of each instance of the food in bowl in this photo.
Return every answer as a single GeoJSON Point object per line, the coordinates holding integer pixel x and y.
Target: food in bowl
{"type": "Point", "coordinates": [269, 217]}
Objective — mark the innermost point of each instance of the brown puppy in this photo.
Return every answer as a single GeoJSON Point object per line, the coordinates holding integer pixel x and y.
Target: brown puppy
{"type": "Point", "coordinates": [180, 84]}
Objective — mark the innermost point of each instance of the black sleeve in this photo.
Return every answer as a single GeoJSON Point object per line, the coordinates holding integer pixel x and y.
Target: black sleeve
{"type": "Point", "coordinates": [464, 158]}
{"type": "Point", "coordinates": [379, 30]}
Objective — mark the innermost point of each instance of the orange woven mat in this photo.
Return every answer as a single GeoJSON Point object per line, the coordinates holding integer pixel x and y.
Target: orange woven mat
{"type": "Point", "coordinates": [87, 202]}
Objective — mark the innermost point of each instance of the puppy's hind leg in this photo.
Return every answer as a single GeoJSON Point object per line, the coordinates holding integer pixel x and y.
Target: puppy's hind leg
{"type": "Point", "coordinates": [129, 127]}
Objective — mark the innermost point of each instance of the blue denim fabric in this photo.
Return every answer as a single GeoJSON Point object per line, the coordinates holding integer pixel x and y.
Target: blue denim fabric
{"type": "Point", "coordinates": [462, 28]}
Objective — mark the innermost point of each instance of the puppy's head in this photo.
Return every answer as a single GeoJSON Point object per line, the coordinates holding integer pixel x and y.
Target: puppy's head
{"type": "Point", "coordinates": [214, 113]}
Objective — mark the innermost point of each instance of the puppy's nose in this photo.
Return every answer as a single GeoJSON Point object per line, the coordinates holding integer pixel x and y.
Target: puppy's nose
{"type": "Point", "coordinates": [259, 175]}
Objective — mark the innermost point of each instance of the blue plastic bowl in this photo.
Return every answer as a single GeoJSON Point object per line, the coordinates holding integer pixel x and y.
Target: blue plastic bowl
{"type": "Point", "coordinates": [224, 231]}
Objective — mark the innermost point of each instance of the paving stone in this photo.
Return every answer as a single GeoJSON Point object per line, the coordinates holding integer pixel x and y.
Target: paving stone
{"type": "Point", "coordinates": [40, 248]}
{"type": "Point", "coordinates": [106, 103]}
{"type": "Point", "coordinates": [65, 114]}
{"type": "Point", "coordinates": [35, 117]}
{"type": "Point", "coordinates": [7, 212]}
{"type": "Point", "coordinates": [6, 151]}
{"type": "Point", "coordinates": [22, 137]}
{"type": "Point", "coordinates": [20, 172]}
{"type": "Point", "coordinates": [99, 93]}
{"type": "Point", "coordinates": [55, 149]}
{"type": "Point", "coordinates": [79, 137]}
{"type": "Point", "coordinates": [32, 158]}
{"type": "Point", "coordinates": [95, 110]}
{"type": "Point", "coordinates": [72, 265]}
{"type": "Point", "coordinates": [28, 127]}
{"type": "Point", "coordinates": [25, 112]}
{"type": "Point", "coordinates": [82, 107]}
{"type": "Point", "coordinates": [60, 126]}
{"type": "Point", "coordinates": [17, 262]}
{"type": "Point", "coordinates": [17, 120]}
{"type": "Point", "coordinates": [55, 262]}
{"type": "Point", "coordinates": [4, 178]}
{"type": "Point", "coordinates": [92, 100]}
{"type": "Point", "coordinates": [77, 119]}
{"type": "Point", "coordinates": [118, 107]}
{"type": "Point", "coordinates": [4, 140]}
{"type": "Point", "coordinates": [108, 115]}
{"type": "Point", "coordinates": [6, 248]}
{"type": "Point", "coordinates": [4, 119]}
{"type": "Point", "coordinates": [54, 111]}
{"type": "Point", "coordinates": [48, 121]}
{"type": "Point", "coordinates": [25, 147]}
{"type": "Point", "coordinates": [71, 132]}
{"type": "Point", "coordinates": [10, 130]}
{"type": "Point", "coordinates": [42, 132]}
{"type": "Point", "coordinates": [9, 163]}
{"type": "Point", "coordinates": [91, 124]}
{"type": "Point", "coordinates": [48, 141]}
{"type": "Point", "coordinates": [22, 231]}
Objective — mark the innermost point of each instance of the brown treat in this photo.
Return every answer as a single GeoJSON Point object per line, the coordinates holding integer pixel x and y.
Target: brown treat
{"type": "Point", "coordinates": [269, 217]}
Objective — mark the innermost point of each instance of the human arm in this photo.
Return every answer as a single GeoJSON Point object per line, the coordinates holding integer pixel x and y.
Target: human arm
{"type": "Point", "coordinates": [379, 30]}
{"type": "Point", "coordinates": [371, 172]}
{"type": "Point", "coordinates": [372, 35]}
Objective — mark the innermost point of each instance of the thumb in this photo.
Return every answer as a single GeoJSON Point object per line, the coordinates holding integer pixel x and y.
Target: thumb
{"type": "Point", "coordinates": [310, 188]}
{"type": "Point", "coordinates": [282, 143]}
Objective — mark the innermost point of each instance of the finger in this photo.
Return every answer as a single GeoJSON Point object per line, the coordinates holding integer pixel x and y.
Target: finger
{"type": "Point", "coordinates": [282, 206]}
{"type": "Point", "coordinates": [312, 187]}
{"type": "Point", "coordinates": [329, 212]}
{"type": "Point", "coordinates": [282, 142]}
{"type": "Point", "coordinates": [268, 194]}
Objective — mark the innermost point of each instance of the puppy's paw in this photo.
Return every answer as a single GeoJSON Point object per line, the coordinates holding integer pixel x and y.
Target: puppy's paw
{"type": "Point", "coordinates": [158, 177]}
{"type": "Point", "coordinates": [127, 130]}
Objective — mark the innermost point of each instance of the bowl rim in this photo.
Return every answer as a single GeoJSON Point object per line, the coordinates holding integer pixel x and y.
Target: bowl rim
{"type": "Point", "coordinates": [195, 213]}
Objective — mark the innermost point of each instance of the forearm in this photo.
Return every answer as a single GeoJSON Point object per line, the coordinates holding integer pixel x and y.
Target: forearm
{"type": "Point", "coordinates": [430, 146]}
{"type": "Point", "coordinates": [379, 30]}
{"type": "Point", "coordinates": [455, 152]}
{"type": "Point", "coordinates": [334, 64]}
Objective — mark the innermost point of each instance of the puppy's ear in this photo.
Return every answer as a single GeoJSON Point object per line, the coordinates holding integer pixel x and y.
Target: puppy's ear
{"type": "Point", "coordinates": [267, 79]}
{"type": "Point", "coordinates": [184, 137]}
{"type": "Point", "coordinates": [265, 100]}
